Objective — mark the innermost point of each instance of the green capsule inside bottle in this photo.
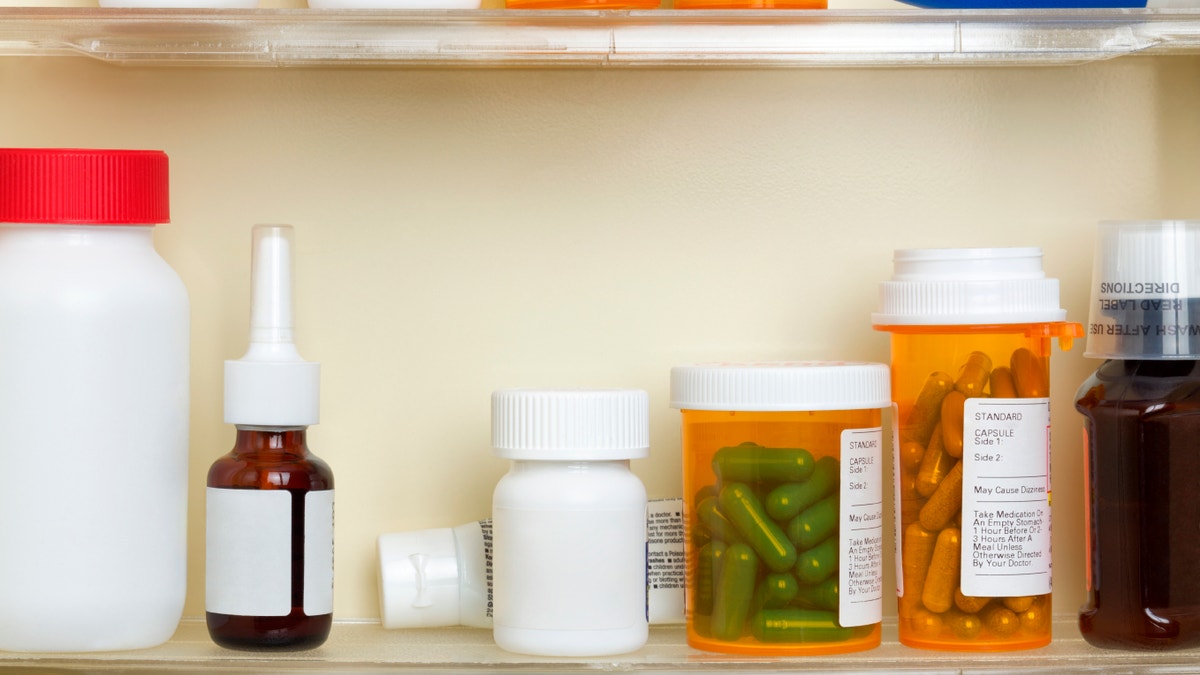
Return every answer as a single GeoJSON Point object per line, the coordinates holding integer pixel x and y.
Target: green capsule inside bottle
{"type": "Point", "coordinates": [798, 625]}
{"type": "Point", "coordinates": [823, 595]}
{"type": "Point", "coordinates": [774, 592]}
{"type": "Point", "coordinates": [814, 524]}
{"type": "Point", "coordinates": [702, 494]}
{"type": "Point", "coordinates": [818, 563]}
{"type": "Point", "coordinates": [788, 500]}
{"type": "Point", "coordinates": [735, 591]}
{"type": "Point", "coordinates": [708, 561]}
{"type": "Point", "coordinates": [718, 525]}
{"type": "Point", "coordinates": [754, 463]}
{"type": "Point", "coordinates": [739, 503]}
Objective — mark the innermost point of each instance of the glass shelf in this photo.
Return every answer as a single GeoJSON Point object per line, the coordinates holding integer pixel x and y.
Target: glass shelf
{"type": "Point", "coordinates": [354, 647]}
{"type": "Point", "coordinates": [671, 38]}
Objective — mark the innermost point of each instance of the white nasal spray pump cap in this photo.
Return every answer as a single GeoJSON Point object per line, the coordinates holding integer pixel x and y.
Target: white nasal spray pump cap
{"type": "Point", "coordinates": [272, 385]}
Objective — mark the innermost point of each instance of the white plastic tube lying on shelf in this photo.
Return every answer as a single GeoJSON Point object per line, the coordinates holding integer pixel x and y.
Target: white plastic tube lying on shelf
{"type": "Point", "coordinates": [443, 577]}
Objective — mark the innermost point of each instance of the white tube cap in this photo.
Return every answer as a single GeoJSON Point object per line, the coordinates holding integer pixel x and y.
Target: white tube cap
{"type": "Point", "coordinates": [571, 424]}
{"type": "Point", "coordinates": [419, 579]}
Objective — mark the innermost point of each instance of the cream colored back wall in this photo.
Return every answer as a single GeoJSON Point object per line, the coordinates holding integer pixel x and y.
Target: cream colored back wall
{"type": "Point", "coordinates": [462, 231]}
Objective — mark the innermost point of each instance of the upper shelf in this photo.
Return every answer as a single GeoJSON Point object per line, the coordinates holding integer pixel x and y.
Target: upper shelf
{"type": "Point", "coordinates": [475, 38]}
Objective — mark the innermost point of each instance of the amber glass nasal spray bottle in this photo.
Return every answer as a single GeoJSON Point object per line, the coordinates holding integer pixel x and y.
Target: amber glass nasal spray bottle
{"type": "Point", "coordinates": [269, 555]}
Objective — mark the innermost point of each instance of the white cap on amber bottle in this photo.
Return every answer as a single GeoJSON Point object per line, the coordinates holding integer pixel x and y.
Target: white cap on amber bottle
{"type": "Point", "coordinates": [968, 286]}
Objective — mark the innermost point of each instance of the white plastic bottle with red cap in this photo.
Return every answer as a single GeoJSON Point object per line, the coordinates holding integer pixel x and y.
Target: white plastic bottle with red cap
{"type": "Point", "coordinates": [93, 404]}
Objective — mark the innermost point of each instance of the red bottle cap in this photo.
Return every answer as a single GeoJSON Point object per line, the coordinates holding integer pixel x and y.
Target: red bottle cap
{"type": "Point", "coordinates": [81, 187]}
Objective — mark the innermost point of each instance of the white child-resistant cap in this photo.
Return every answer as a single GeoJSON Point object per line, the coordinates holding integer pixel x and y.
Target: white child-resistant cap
{"type": "Point", "coordinates": [1145, 291]}
{"type": "Point", "coordinates": [781, 386]}
{"type": "Point", "coordinates": [419, 579]}
{"type": "Point", "coordinates": [571, 424]}
{"type": "Point", "coordinates": [968, 286]}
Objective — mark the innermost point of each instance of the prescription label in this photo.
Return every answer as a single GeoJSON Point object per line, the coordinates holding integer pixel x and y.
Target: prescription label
{"type": "Point", "coordinates": [248, 569]}
{"type": "Point", "coordinates": [860, 551]}
{"type": "Point", "coordinates": [318, 552]}
{"type": "Point", "coordinates": [897, 525]}
{"type": "Point", "coordinates": [1006, 497]}
{"type": "Point", "coordinates": [665, 561]}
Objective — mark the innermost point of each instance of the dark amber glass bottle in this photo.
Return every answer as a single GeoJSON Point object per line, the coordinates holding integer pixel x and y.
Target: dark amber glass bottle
{"type": "Point", "coordinates": [275, 459]}
{"type": "Point", "coordinates": [269, 502]}
{"type": "Point", "coordinates": [1141, 412]}
{"type": "Point", "coordinates": [1142, 420]}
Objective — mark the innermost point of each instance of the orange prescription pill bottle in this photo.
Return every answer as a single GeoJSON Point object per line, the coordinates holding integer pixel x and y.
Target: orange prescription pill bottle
{"type": "Point", "coordinates": [971, 332]}
{"type": "Point", "coordinates": [750, 4]}
{"type": "Point", "coordinates": [582, 4]}
{"type": "Point", "coordinates": [783, 515]}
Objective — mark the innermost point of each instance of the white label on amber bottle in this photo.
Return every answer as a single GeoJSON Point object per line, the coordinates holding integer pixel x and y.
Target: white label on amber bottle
{"type": "Point", "coordinates": [318, 552]}
{"type": "Point", "coordinates": [1006, 497]}
{"type": "Point", "coordinates": [860, 572]}
{"type": "Point", "coordinates": [248, 556]}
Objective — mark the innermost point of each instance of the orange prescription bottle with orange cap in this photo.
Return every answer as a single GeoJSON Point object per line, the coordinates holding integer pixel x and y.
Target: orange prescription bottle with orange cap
{"type": "Point", "coordinates": [971, 333]}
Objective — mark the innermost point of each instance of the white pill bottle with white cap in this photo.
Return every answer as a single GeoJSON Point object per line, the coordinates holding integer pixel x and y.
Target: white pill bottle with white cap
{"type": "Point", "coordinates": [569, 521]}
